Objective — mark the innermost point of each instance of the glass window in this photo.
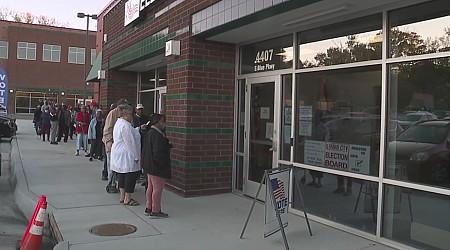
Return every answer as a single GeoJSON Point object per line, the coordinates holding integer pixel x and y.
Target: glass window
{"type": "Point", "coordinates": [419, 96]}
{"type": "Point", "coordinates": [148, 80]}
{"type": "Point", "coordinates": [26, 51]}
{"type": "Point", "coordinates": [416, 218]}
{"type": "Point", "coordinates": [162, 77]}
{"type": "Point", "coordinates": [345, 200]}
{"type": "Point", "coordinates": [268, 55]}
{"type": "Point", "coordinates": [3, 50]}
{"type": "Point", "coordinates": [420, 29]}
{"type": "Point", "coordinates": [286, 118]}
{"type": "Point", "coordinates": [76, 55]}
{"type": "Point", "coordinates": [93, 56]}
{"type": "Point", "coordinates": [338, 119]}
{"type": "Point", "coordinates": [51, 53]}
{"type": "Point", "coordinates": [351, 41]}
{"type": "Point", "coordinates": [241, 117]}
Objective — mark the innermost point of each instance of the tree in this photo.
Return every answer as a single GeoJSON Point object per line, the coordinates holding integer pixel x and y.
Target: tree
{"type": "Point", "coordinates": [4, 13]}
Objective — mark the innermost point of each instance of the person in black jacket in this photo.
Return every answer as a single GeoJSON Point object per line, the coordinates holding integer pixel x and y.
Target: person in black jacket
{"type": "Point", "coordinates": [155, 160]}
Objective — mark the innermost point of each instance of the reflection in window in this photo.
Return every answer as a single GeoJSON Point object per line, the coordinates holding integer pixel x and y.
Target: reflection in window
{"type": "Point", "coordinates": [420, 29]}
{"type": "Point", "coordinates": [355, 207]}
{"type": "Point", "coordinates": [148, 80]}
{"type": "Point", "coordinates": [341, 43]}
{"type": "Point", "coordinates": [3, 50]}
{"type": "Point", "coordinates": [416, 218]}
{"type": "Point", "coordinates": [286, 119]}
{"type": "Point", "coordinates": [339, 119]}
{"type": "Point", "coordinates": [26, 50]}
{"type": "Point", "coordinates": [419, 94]}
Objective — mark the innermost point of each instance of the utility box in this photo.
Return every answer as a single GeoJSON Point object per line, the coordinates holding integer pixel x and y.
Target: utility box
{"type": "Point", "coordinates": [172, 48]}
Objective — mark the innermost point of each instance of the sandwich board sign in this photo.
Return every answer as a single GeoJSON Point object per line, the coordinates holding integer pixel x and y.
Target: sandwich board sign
{"type": "Point", "coordinates": [279, 182]}
{"type": "Point", "coordinates": [277, 202]}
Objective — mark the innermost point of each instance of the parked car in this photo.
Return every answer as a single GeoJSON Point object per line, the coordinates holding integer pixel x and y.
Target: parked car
{"type": "Point", "coordinates": [441, 114]}
{"type": "Point", "coordinates": [8, 126]}
{"type": "Point", "coordinates": [423, 150]}
{"type": "Point", "coordinates": [409, 118]}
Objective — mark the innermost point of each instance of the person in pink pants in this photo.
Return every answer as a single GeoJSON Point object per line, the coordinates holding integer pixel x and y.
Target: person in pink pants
{"type": "Point", "coordinates": [155, 160]}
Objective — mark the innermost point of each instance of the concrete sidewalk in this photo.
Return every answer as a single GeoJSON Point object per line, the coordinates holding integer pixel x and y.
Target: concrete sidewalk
{"type": "Point", "coordinates": [76, 196]}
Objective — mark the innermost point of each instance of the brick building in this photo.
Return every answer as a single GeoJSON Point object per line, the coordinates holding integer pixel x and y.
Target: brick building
{"type": "Point", "coordinates": [325, 86]}
{"type": "Point", "coordinates": [44, 62]}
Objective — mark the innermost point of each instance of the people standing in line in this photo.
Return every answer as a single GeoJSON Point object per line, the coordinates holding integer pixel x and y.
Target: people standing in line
{"type": "Point", "coordinates": [83, 120]}
{"type": "Point", "coordinates": [73, 117]}
{"type": "Point", "coordinates": [95, 134]}
{"type": "Point", "coordinates": [64, 123]}
{"type": "Point", "coordinates": [125, 154]}
{"type": "Point", "coordinates": [106, 169]}
{"type": "Point", "coordinates": [108, 140]}
{"type": "Point", "coordinates": [45, 124]}
{"type": "Point", "coordinates": [53, 124]}
{"type": "Point", "coordinates": [45, 106]}
{"type": "Point", "coordinates": [156, 164]}
{"type": "Point", "coordinates": [37, 121]}
{"type": "Point", "coordinates": [93, 109]}
{"type": "Point", "coordinates": [139, 119]}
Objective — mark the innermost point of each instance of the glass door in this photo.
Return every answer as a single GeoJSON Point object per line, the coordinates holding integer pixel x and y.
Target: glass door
{"type": "Point", "coordinates": [261, 136]}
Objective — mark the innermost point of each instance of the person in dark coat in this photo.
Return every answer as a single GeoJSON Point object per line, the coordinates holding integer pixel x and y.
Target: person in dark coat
{"type": "Point", "coordinates": [37, 120]}
{"type": "Point", "coordinates": [155, 160]}
{"type": "Point", "coordinates": [45, 124]}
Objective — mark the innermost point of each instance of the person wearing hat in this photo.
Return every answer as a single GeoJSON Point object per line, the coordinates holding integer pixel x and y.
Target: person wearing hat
{"type": "Point", "coordinates": [139, 119]}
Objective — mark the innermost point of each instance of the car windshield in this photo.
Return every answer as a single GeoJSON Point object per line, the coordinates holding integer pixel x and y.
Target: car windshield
{"type": "Point", "coordinates": [410, 117]}
{"type": "Point", "coordinates": [424, 134]}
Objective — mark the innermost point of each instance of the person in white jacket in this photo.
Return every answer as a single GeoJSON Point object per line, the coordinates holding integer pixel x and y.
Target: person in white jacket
{"type": "Point", "coordinates": [125, 154]}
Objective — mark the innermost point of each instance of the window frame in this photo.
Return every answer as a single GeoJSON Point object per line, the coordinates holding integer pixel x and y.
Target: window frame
{"type": "Point", "coordinates": [4, 45]}
{"type": "Point", "coordinates": [51, 50]}
{"type": "Point", "coordinates": [28, 50]}
{"type": "Point", "coordinates": [79, 50]}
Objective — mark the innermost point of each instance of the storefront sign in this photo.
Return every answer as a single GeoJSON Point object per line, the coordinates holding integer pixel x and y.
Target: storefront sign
{"type": "Point", "coordinates": [346, 157]}
{"type": "Point", "coordinates": [131, 11]}
{"type": "Point", "coordinates": [269, 55]}
{"type": "Point", "coordinates": [134, 7]}
{"type": "Point", "coordinates": [4, 91]}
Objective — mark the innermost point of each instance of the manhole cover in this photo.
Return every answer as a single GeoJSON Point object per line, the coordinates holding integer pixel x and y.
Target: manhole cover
{"type": "Point", "coordinates": [114, 229]}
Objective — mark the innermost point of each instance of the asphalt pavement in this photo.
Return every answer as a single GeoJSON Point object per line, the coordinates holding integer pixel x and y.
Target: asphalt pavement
{"type": "Point", "coordinates": [78, 201]}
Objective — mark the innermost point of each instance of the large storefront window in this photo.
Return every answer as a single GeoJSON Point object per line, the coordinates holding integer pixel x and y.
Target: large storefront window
{"type": "Point", "coordinates": [347, 42]}
{"type": "Point", "coordinates": [339, 119]}
{"type": "Point", "coordinates": [152, 92]}
{"type": "Point", "coordinates": [419, 96]}
{"type": "Point", "coordinates": [416, 218]}
{"type": "Point", "coordinates": [357, 207]}
{"type": "Point", "coordinates": [420, 29]}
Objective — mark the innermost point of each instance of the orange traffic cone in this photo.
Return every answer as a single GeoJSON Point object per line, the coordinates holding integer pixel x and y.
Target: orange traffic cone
{"type": "Point", "coordinates": [33, 240]}
{"type": "Point", "coordinates": [42, 199]}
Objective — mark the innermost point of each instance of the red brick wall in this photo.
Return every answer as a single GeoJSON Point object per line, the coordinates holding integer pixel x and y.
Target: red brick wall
{"type": "Point", "coordinates": [189, 148]}
{"type": "Point", "coordinates": [37, 73]}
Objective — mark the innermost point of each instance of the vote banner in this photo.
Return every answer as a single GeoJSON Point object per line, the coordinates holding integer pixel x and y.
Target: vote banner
{"type": "Point", "coordinates": [279, 181]}
{"type": "Point", "coordinates": [4, 91]}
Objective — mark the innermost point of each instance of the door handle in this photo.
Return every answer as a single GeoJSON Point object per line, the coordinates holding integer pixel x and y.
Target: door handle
{"type": "Point", "coordinates": [274, 145]}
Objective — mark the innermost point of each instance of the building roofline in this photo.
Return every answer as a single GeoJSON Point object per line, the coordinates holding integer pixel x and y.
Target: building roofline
{"type": "Point", "coordinates": [45, 27]}
{"type": "Point", "coordinates": [108, 7]}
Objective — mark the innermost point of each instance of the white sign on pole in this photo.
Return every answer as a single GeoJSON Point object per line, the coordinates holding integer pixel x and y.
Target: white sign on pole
{"type": "Point", "coordinates": [279, 181]}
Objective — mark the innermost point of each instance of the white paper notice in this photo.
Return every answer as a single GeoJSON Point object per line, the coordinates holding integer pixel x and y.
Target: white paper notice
{"type": "Point", "coordinates": [265, 113]}
{"type": "Point", "coordinates": [269, 130]}
{"type": "Point", "coordinates": [305, 128]}
{"type": "Point", "coordinates": [305, 113]}
{"type": "Point", "coordinates": [314, 152]}
{"type": "Point", "coordinates": [287, 115]}
{"type": "Point", "coordinates": [359, 159]}
{"type": "Point", "coordinates": [287, 134]}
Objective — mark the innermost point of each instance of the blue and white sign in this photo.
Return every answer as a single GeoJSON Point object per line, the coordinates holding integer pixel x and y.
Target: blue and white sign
{"type": "Point", "coordinates": [279, 181]}
{"type": "Point", "coordinates": [4, 91]}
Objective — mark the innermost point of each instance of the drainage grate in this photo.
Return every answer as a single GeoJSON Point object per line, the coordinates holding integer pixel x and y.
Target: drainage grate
{"type": "Point", "coordinates": [114, 229]}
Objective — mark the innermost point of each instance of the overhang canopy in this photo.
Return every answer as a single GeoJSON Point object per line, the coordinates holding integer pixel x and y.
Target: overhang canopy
{"type": "Point", "coordinates": [93, 74]}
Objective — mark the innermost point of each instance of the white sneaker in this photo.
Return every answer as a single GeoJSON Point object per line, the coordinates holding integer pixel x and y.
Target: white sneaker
{"type": "Point", "coordinates": [77, 153]}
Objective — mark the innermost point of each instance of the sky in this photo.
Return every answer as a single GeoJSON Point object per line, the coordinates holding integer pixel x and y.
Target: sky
{"type": "Point", "coordinates": [64, 11]}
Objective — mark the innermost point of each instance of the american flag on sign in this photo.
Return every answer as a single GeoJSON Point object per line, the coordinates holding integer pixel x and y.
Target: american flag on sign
{"type": "Point", "coordinates": [278, 188]}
